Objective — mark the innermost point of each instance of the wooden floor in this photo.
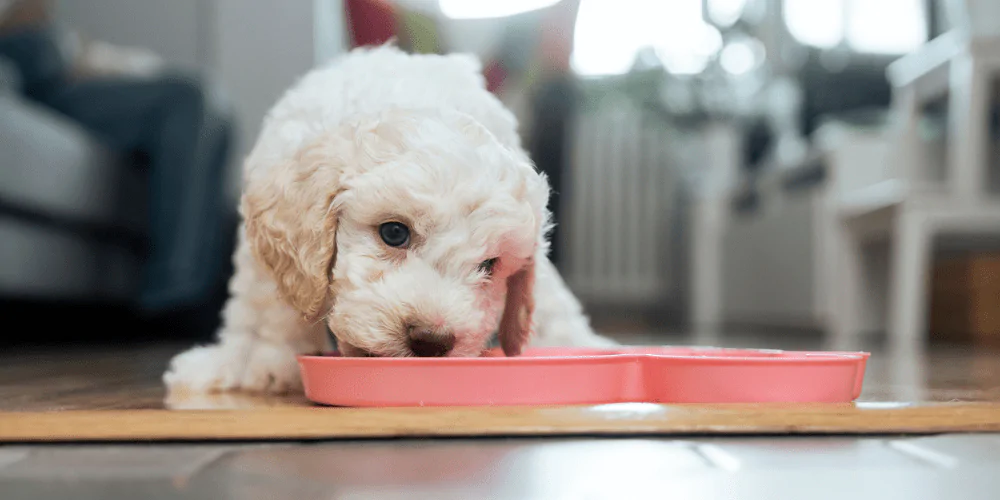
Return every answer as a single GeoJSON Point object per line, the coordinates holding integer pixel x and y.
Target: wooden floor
{"type": "Point", "coordinates": [114, 394]}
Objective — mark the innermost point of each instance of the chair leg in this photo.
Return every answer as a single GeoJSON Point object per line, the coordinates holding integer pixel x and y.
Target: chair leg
{"type": "Point", "coordinates": [968, 127]}
{"type": "Point", "coordinates": [706, 262]}
{"type": "Point", "coordinates": [845, 317]}
{"type": "Point", "coordinates": [908, 289]}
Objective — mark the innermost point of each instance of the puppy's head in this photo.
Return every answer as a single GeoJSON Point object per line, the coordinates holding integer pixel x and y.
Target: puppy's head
{"type": "Point", "coordinates": [414, 233]}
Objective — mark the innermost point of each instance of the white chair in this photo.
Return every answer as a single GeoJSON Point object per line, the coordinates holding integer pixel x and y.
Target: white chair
{"type": "Point", "coordinates": [920, 198]}
{"type": "Point", "coordinates": [709, 214]}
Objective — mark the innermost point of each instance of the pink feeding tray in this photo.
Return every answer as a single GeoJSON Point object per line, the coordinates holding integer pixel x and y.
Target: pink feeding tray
{"type": "Point", "coordinates": [564, 376]}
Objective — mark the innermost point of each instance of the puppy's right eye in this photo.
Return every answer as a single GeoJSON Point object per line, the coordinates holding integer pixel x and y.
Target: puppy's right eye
{"type": "Point", "coordinates": [394, 234]}
{"type": "Point", "coordinates": [486, 266]}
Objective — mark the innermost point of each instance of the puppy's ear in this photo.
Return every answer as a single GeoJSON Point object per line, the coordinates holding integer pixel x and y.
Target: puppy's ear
{"type": "Point", "coordinates": [290, 227]}
{"type": "Point", "coordinates": [517, 322]}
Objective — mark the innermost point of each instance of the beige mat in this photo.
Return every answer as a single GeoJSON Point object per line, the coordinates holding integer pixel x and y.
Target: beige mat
{"type": "Point", "coordinates": [282, 423]}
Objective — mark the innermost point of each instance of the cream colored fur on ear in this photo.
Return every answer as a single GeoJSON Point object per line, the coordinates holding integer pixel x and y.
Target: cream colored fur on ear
{"type": "Point", "coordinates": [517, 322]}
{"type": "Point", "coordinates": [290, 228]}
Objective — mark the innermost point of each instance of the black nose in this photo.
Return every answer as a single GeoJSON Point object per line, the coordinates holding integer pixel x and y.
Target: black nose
{"type": "Point", "coordinates": [427, 343]}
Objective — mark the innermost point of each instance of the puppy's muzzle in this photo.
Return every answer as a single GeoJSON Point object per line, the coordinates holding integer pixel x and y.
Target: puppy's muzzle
{"type": "Point", "coordinates": [428, 343]}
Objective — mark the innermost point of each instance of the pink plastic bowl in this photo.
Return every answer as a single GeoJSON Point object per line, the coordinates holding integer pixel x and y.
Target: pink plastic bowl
{"type": "Point", "coordinates": [557, 376]}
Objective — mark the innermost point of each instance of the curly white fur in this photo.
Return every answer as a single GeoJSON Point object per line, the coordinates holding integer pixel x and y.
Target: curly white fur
{"type": "Point", "coordinates": [382, 136]}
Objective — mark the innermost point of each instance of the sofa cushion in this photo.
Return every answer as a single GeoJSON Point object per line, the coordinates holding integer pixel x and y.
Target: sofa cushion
{"type": "Point", "coordinates": [52, 166]}
{"type": "Point", "coordinates": [41, 262]}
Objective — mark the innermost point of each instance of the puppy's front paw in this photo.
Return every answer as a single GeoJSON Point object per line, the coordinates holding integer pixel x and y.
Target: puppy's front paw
{"type": "Point", "coordinates": [595, 340]}
{"type": "Point", "coordinates": [580, 339]}
{"type": "Point", "coordinates": [256, 367]}
{"type": "Point", "coordinates": [272, 369]}
{"type": "Point", "coordinates": [575, 332]}
{"type": "Point", "coordinates": [204, 369]}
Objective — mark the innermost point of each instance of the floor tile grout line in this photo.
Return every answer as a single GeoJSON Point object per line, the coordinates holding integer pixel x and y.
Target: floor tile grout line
{"type": "Point", "coordinates": [715, 457]}
{"type": "Point", "coordinates": [5, 463]}
{"type": "Point", "coordinates": [923, 454]}
{"type": "Point", "coordinates": [199, 465]}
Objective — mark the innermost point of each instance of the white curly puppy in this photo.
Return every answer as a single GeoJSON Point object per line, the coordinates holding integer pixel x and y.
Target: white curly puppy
{"type": "Point", "coordinates": [387, 198]}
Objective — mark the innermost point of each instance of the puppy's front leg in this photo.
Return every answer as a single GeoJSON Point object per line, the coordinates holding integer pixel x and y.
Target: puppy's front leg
{"type": "Point", "coordinates": [559, 317]}
{"type": "Point", "coordinates": [257, 344]}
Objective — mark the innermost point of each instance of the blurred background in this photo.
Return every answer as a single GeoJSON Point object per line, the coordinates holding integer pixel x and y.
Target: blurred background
{"type": "Point", "coordinates": [816, 169]}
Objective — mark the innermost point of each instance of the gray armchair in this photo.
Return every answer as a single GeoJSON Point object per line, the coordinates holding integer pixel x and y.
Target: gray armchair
{"type": "Point", "coordinates": [71, 212]}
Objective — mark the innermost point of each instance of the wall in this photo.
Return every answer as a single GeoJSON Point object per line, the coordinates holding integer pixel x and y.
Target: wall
{"type": "Point", "coordinates": [254, 49]}
{"type": "Point", "coordinates": [175, 29]}
{"type": "Point", "coordinates": [259, 48]}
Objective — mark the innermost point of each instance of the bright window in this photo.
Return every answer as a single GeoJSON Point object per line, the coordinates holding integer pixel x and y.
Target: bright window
{"type": "Point", "coordinates": [886, 26]}
{"type": "Point", "coordinates": [609, 34]}
{"type": "Point", "coordinates": [483, 9]}
{"type": "Point", "coordinates": [872, 26]}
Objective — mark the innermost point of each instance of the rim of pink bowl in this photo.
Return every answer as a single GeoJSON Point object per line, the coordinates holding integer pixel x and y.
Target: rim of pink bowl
{"type": "Point", "coordinates": [765, 357]}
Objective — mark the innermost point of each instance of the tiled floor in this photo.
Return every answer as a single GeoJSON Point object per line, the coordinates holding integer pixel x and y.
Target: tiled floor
{"type": "Point", "coordinates": [79, 391]}
{"type": "Point", "coordinates": [954, 466]}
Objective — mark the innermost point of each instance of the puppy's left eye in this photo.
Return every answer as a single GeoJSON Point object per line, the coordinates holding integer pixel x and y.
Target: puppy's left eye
{"type": "Point", "coordinates": [486, 266]}
{"type": "Point", "coordinates": [394, 234]}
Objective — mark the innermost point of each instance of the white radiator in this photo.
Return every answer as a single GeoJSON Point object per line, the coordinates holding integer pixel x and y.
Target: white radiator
{"type": "Point", "coordinates": [618, 212]}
